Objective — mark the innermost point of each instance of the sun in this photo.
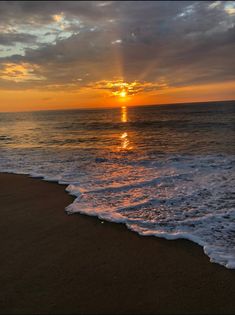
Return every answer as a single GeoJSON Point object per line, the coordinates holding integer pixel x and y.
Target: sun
{"type": "Point", "coordinates": [119, 88]}
{"type": "Point", "coordinates": [122, 93]}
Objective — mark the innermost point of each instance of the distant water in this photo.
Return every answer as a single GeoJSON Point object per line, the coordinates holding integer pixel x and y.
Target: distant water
{"type": "Point", "coordinates": [166, 171]}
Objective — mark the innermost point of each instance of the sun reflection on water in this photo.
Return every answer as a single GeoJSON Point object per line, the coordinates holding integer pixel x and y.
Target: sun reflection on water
{"type": "Point", "coordinates": [125, 142]}
{"type": "Point", "coordinates": [123, 114]}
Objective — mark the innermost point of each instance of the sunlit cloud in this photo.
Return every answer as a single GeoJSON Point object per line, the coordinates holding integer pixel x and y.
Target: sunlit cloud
{"type": "Point", "coordinates": [58, 17]}
{"type": "Point", "coordinates": [230, 7]}
{"type": "Point", "coordinates": [18, 38]}
{"type": "Point", "coordinates": [121, 88]}
{"type": "Point", "coordinates": [19, 72]}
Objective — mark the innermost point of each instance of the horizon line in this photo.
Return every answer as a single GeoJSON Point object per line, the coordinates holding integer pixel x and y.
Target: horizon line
{"type": "Point", "coordinates": [114, 107]}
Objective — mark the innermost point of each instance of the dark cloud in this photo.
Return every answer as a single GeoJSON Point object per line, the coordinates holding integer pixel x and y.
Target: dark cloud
{"type": "Point", "coordinates": [180, 42]}
{"type": "Point", "coordinates": [36, 12]}
{"type": "Point", "coordinates": [10, 39]}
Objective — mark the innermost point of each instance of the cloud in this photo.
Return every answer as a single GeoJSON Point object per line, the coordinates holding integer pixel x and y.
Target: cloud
{"type": "Point", "coordinates": [76, 44]}
{"type": "Point", "coordinates": [116, 87]}
{"type": "Point", "coordinates": [10, 39]}
{"type": "Point", "coordinates": [19, 72]}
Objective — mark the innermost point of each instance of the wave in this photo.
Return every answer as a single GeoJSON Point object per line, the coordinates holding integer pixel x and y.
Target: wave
{"type": "Point", "coordinates": [170, 196]}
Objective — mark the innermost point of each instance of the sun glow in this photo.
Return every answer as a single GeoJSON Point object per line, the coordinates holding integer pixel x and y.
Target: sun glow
{"type": "Point", "coordinates": [122, 94]}
{"type": "Point", "coordinates": [117, 88]}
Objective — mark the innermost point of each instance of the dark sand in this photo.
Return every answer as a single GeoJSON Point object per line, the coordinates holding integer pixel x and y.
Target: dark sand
{"type": "Point", "coordinates": [53, 263]}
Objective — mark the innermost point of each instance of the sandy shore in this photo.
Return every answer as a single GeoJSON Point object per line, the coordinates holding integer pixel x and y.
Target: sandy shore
{"type": "Point", "coordinates": [52, 263]}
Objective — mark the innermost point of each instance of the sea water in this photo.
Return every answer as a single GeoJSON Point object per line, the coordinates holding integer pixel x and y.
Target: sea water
{"type": "Point", "coordinates": [166, 171]}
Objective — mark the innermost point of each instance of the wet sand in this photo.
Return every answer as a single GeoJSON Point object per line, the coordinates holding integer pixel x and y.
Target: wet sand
{"type": "Point", "coordinates": [52, 263]}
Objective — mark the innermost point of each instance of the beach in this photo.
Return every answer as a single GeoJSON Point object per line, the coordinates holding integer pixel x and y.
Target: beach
{"type": "Point", "coordinates": [54, 263]}
{"type": "Point", "coordinates": [117, 160]}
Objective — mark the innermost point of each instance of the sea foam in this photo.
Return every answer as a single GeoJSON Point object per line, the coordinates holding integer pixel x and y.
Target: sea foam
{"type": "Point", "coordinates": [178, 196]}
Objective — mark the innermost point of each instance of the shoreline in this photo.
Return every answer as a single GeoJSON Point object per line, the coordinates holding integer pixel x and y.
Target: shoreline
{"type": "Point", "coordinates": [52, 262]}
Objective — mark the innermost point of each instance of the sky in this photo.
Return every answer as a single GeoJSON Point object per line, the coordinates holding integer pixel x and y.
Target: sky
{"type": "Point", "coordinates": [76, 54]}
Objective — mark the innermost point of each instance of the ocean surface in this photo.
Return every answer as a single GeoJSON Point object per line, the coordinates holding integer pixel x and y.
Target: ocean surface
{"type": "Point", "coordinates": [166, 171]}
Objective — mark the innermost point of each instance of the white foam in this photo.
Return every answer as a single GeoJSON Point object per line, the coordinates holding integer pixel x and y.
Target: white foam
{"type": "Point", "coordinates": [178, 196]}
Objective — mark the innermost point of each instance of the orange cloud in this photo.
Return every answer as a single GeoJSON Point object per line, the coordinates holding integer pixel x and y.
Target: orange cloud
{"type": "Point", "coordinates": [19, 72]}
{"type": "Point", "coordinates": [120, 88]}
{"type": "Point", "coordinates": [57, 17]}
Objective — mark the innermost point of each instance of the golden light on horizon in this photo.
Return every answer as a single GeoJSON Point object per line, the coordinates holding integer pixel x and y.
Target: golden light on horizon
{"type": "Point", "coordinates": [58, 98]}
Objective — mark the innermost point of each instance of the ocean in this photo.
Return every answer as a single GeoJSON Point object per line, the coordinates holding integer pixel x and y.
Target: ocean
{"type": "Point", "coordinates": [166, 171]}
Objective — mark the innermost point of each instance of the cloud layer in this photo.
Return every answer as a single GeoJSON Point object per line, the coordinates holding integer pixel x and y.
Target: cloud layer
{"type": "Point", "coordinates": [75, 45]}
